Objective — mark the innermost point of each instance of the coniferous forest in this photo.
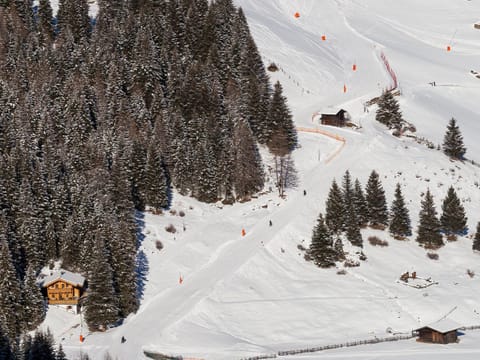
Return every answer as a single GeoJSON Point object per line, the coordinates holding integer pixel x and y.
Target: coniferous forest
{"type": "Point", "coordinates": [101, 117]}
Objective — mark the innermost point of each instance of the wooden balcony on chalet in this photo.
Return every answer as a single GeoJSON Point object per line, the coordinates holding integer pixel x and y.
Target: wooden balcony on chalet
{"type": "Point", "coordinates": [63, 302]}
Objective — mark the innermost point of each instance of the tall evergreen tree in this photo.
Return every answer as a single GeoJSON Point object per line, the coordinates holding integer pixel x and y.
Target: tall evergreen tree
{"type": "Point", "coordinates": [73, 14]}
{"type": "Point", "coordinates": [33, 304]}
{"type": "Point", "coordinates": [248, 172]}
{"type": "Point", "coordinates": [138, 161]}
{"type": "Point", "coordinates": [282, 135]}
{"type": "Point", "coordinates": [476, 239]}
{"type": "Point", "coordinates": [399, 218]}
{"type": "Point", "coordinates": [360, 204]}
{"type": "Point", "coordinates": [352, 228]}
{"type": "Point", "coordinates": [5, 349]}
{"type": "Point", "coordinates": [101, 307]}
{"type": "Point", "coordinates": [338, 246]}
{"type": "Point", "coordinates": [321, 249]}
{"type": "Point", "coordinates": [453, 141]}
{"type": "Point", "coordinates": [156, 180]}
{"type": "Point", "coordinates": [376, 202]}
{"type": "Point", "coordinates": [11, 312]}
{"type": "Point", "coordinates": [42, 346]}
{"type": "Point", "coordinates": [388, 112]}
{"type": "Point", "coordinates": [45, 22]}
{"type": "Point", "coordinates": [351, 223]}
{"type": "Point", "coordinates": [347, 193]}
{"type": "Point", "coordinates": [453, 218]}
{"type": "Point", "coordinates": [429, 227]}
{"type": "Point", "coordinates": [335, 209]}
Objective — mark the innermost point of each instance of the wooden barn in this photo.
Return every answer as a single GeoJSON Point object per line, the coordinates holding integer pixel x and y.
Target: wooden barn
{"type": "Point", "coordinates": [441, 332]}
{"type": "Point", "coordinates": [339, 119]}
{"type": "Point", "coordinates": [63, 287]}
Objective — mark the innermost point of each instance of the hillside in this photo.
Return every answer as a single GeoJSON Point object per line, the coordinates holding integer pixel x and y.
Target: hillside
{"type": "Point", "coordinates": [244, 296]}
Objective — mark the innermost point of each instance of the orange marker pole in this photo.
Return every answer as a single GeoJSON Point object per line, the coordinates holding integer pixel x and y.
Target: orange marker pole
{"type": "Point", "coordinates": [244, 232]}
{"type": "Point", "coordinates": [297, 15]}
{"type": "Point", "coordinates": [354, 67]}
{"type": "Point", "coordinates": [449, 48]}
{"type": "Point", "coordinates": [344, 88]}
{"type": "Point", "coordinates": [180, 279]}
{"type": "Point", "coordinates": [324, 38]}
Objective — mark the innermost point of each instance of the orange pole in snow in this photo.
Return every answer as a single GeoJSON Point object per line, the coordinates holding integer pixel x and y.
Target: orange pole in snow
{"type": "Point", "coordinates": [180, 279]}
{"type": "Point", "coordinates": [81, 338]}
{"type": "Point", "coordinates": [344, 88]}
{"type": "Point", "coordinates": [449, 48]}
{"type": "Point", "coordinates": [244, 232]}
{"type": "Point", "coordinates": [297, 15]}
{"type": "Point", "coordinates": [354, 67]}
{"type": "Point", "coordinates": [324, 38]}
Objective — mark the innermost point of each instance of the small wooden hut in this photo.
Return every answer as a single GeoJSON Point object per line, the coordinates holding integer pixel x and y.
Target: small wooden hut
{"type": "Point", "coordinates": [441, 332]}
{"type": "Point", "coordinates": [339, 119]}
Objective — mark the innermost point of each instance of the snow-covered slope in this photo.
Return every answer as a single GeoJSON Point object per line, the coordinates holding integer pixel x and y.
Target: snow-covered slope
{"type": "Point", "coordinates": [255, 294]}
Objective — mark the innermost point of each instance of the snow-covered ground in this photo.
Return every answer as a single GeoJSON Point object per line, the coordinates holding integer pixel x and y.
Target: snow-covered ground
{"type": "Point", "coordinates": [244, 296]}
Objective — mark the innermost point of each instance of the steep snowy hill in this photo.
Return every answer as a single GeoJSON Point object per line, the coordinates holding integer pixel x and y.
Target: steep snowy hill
{"type": "Point", "coordinates": [247, 295]}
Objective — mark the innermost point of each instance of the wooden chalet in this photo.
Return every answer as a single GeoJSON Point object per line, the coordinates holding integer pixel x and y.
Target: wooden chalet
{"type": "Point", "coordinates": [63, 287]}
{"type": "Point", "coordinates": [441, 332]}
{"type": "Point", "coordinates": [339, 119]}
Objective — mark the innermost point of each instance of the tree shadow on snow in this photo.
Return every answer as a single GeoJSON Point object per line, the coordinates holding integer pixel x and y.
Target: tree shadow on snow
{"type": "Point", "coordinates": [141, 261]}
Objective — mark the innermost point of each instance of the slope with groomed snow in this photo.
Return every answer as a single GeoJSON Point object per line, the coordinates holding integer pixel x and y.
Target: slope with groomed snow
{"type": "Point", "coordinates": [255, 294]}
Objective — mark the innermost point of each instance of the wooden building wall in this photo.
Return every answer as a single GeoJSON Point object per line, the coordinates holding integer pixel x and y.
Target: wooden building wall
{"type": "Point", "coordinates": [430, 335]}
{"type": "Point", "coordinates": [61, 292]}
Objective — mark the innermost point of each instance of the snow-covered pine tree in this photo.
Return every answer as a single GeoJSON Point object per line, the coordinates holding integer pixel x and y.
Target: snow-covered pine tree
{"type": "Point", "coordinates": [74, 15]}
{"type": "Point", "coordinates": [388, 112]}
{"type": "Point", "coordinates": [137, 170]}
{"type": "Point", "coordinates": [453, 218]}
{"type": "Point", "coordinates": [207, 188]}
{"type": "Point", "coordinates": [347, 193]}
{"type": "Point", "coordinates": [11, 311]}
{"type": "Point", "coordinates": [352, 231]}
{"type": "Point", "coordinates": [122, 244]}
{"type": "Point", "coordinates": [360, 204]}
{"type": "Point", "coordinates": [101, 306]}
{"type": "Point", "coordinates": [156, 180]}
{"type": "Point", "coordinates": [30, 229]}
{"type": "Point", "coordinates": [248, 171]}
{"type": "Point", "coordinates": [321, 250]}
{"type": "Point", "coordinates": [453, 141]}
{"type": "Point", "coordinates": [194, 25]}
{"type": "Point", "coordinates": [351, 223]}
{"type": "Point", "coordinates": [400, 226]}
{"type": "Point", "coordinates": [255, 88]}
{"type": "Point", "coordinates": [282, 137]}
{"type": "Point", "coordinates": [45, 23]}
{"type": "Point", "coordinates": [32, 301]}
{"type": "Point", "coordinates": [338, 246]}
{"type": "Point", "coordinates": [334, 214]}
{"type": "Point", "coordinates": [42, 346]}
{"type": "Point", "coordinates": [60, 354]}
{"type": "Point", "coordinates": [476, 239]}
{"type": "Point", "coordinates": [429, 227]}
{"type": "Point", "coordinates": [5, 348]}
{"type": "Point", "coordinates": [376, 202]}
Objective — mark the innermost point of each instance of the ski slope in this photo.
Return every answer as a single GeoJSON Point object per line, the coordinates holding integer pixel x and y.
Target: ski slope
{"type": "Point", "coordinates": [254, 294]}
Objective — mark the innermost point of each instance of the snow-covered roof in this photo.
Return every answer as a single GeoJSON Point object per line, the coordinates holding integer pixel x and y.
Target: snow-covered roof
{"type": "Point", "coordinates": [443, 326]}
{"type": "Point", "coordinates": [67, 276]}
